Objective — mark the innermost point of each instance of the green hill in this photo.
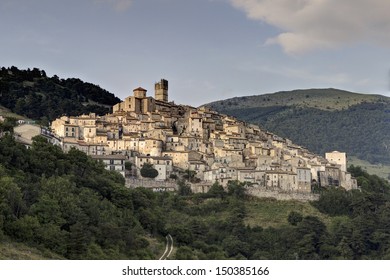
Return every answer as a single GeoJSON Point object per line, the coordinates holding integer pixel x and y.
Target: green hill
{"type": "Point", "coordinates": [321, 120]}
{"type": "Point", "coordinates": [323, 99]}
{"type": "Point", "coordinates": [34, 95]}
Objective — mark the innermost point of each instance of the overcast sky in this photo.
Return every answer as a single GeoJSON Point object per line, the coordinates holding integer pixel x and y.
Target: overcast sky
{"type": "Point", "coordinates": [207, 49]}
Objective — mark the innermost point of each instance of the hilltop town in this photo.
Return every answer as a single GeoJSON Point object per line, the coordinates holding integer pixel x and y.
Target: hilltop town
{"type": "Point", "coordinates": [215, 147]}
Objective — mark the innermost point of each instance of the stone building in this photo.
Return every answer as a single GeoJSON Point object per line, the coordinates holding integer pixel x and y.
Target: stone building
{"type": "Point", "coordinates": [113, 162]}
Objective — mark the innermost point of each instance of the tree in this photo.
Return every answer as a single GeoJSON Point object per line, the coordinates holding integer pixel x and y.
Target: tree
{"type": "Point", "coordinates": [190, 176]}
{"type": "Point", "coordinates": [185, 253]}
{"type": "Point", "coordinates": [8, 125]}
{"type": "Point", "coordinates": [236, 189]}
{"type": "Point", "coordinates": [148, 171]}
{"type": "Point", "coordinates": [184, 189]}
{"type": "Point", "coordinates": [128, 165]}
{"type": "Point", "coordinates": [216, 190]}
{"type": "Point", "coordinates": [334, 202]}
{"type": "Point", "coordinates": [294, 218]}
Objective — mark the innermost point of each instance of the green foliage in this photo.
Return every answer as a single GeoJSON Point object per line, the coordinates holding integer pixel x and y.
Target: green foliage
{"type": "Point", "coordinates": [190, 176]}
{"type": "Point", "coordinates": [217, 191]}
{"type": "Point", "coordinates": [148, 171]}
{"type": "Point", "coordinates": [128, 165]}
{"type": "Point", "coordinates": [32, 94]}
{"type": "Point", "coordinates": [69, 204]}
{"type": "Point", "coordinates": [236, 189]}
{"type": "Point", "coordinates": [184, 188]}
{"type": "Point", "coordinates": [294, 218]}
{"type": "Point", "coordinates": [334, 202]}
{"type": "Point", "coordinates": [8, 125]}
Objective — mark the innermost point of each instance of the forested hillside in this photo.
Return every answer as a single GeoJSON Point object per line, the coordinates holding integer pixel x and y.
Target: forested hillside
{"type": "Point", "coordinates": [33, 94]}
{"type": "Point", "coordinates": [321, 120]}
{"type": "Point", "coordinates": [69, 206]}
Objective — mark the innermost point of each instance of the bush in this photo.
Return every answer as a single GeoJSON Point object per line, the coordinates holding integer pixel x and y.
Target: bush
{"type": "Point", "coordinates": [294, 218]}
{"type": "Point", "coordinates": [148, 171]}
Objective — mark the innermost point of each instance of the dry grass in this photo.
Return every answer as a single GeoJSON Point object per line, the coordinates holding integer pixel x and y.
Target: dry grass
{"type": "Point", "coordinates": [267, 212]}
{"type": "Point", "coordinates": [7, 113]}
{"type": "Point", "coordinates": [18, 251]}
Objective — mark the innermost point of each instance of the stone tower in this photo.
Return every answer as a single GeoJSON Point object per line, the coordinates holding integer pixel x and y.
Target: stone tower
{"type": "Point", "coordinates": [139, 92]}
{"type": "Point", "coordinates": [161, 90]}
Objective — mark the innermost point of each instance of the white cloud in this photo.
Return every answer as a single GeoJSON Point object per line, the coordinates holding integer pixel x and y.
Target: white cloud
{"type": "Point", "coordinates": [316, 24]}
{"type": "Point", "coordinates": [118, 5]}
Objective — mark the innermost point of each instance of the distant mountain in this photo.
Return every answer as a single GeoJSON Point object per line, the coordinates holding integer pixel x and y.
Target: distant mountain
{"type": "Point", "coordinates": [320, 119]}
{"type": "Point", "coordinates": [32, 94]}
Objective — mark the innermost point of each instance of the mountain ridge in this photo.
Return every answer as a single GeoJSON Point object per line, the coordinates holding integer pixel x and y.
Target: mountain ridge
{"type": "Point", "coordinates": [329, 99]}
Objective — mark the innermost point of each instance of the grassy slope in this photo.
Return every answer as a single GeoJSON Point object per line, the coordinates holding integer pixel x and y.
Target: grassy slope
{"type": "Point", "coordinates": [381, 170]}
{"type": "Point", "coordinates": [10, 250]}
{"type": "Point", "coordinates": [7, 113]}
{"type": "Point", "coordinates": [267, 212]}
{"type": "Point", "coordinates": [20, 251]}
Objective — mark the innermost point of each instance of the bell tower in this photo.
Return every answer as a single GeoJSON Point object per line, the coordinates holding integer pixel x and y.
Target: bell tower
{"type": "Point", "coordinates": [161, 90]}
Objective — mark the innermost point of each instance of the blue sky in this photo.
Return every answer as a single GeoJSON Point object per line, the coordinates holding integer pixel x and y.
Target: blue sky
{"type": "Point", "coordinates": [207, 49]}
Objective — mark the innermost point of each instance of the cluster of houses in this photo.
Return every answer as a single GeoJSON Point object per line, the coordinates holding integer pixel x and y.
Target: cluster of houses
{"type": "Point", "coordinates": [215, 147]}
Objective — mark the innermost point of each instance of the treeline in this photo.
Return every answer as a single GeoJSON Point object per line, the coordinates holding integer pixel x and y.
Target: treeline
{"type": "Point", "coordinates": [33, 94]}
{"type": "Point", "coordinates": [361, 130]}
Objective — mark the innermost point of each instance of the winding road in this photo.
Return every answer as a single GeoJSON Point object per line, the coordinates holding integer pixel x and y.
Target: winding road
{"type": "Point", "coordinates": [168, 248]}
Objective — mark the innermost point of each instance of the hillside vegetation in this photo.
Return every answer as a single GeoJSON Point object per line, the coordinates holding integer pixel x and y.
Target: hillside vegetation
{"type": "Point", "coordinates": [32, 94]}
{"type": "Point", "coordinates": [324, 99]}
{"type": "Point", "coordinates": [321, 120]}
{"type": "Point", "coordinates": [56, 205]}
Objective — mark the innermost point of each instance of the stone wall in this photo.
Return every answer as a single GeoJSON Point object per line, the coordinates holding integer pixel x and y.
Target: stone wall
{"type": "Point", "coordinates": [150, 184]}
{"type": "Point", "coordinates": [279, 195]}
